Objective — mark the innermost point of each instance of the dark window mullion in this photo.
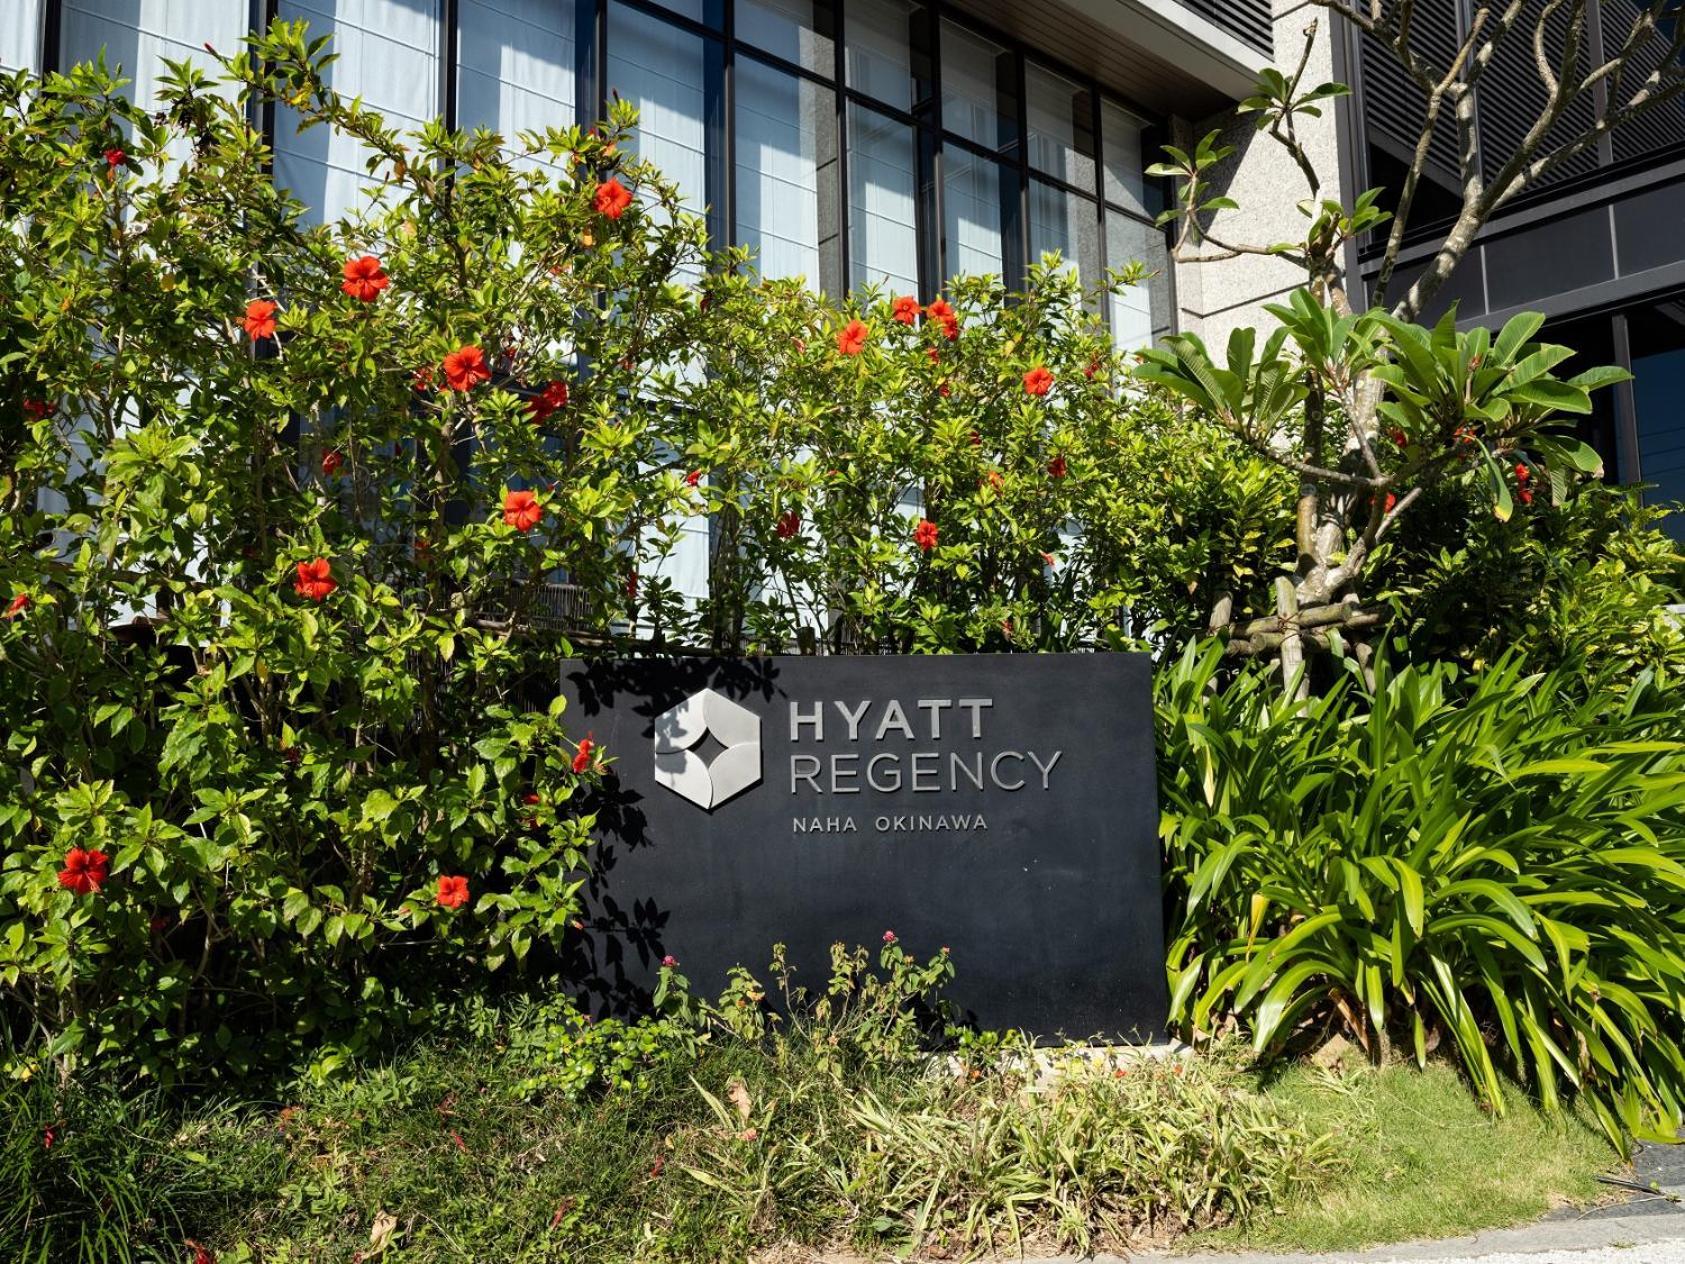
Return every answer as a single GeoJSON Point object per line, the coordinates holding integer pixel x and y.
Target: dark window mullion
{"type": "Point", "coordinates": [844, 207]}
{"type": "Point", "coordinates": [1015, 208]}
{"type": "Point", "coordinates": [719, 127]}
{"type": "Point", "coordinates": [929, 217]}
{"type": "Point", "coordinates": [51, 34]}
{"type": "Point", "coordinates": [450, 16]}
{"type": "Point", "coordinates": [590, 19]}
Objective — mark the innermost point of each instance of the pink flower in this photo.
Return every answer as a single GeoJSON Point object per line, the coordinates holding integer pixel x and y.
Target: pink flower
{"type": "Point", "coordinates": [889, 937]}
{"type": "Point", "coordinates": [669, 962]}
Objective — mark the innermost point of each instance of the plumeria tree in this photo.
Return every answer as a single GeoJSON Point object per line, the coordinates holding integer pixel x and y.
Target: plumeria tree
{"type": "Point", "coordinates": [1367, 409]}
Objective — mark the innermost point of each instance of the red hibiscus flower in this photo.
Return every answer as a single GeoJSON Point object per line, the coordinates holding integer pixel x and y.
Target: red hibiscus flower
{"type": "Point", "coordinates": [20, 603]}
{"type": "Point", "coordinates": [1522, 473]}
{"type": "Point", "coordinates": [521, 510]}
{"type": "Point", "coordinates": [422, 381]}
{"type": "Point", "coordinates": [582, 757]}
{"type": "Point", "coordinates": [1056, 468]}
{"type": "Point", "coordinates": [84, 872]}
{"type": "Point", "coordinates": [906, 309]}
{"type": "Point", "coordinates": [465, 368]}
{"type": "Point", "coordinates": [331, 462]}
{"type": "Point", "coordinates": [924, 535]}
{"type": "Point", "coordinates": [851, 338]}
{"type": "Point", "coordinates": [115, 157]}
{"type": "Point", "coordinates": [944, 390]}
{"type": "Point", "coordinates": [1038, 381]}
{"type": "Point", "coordinates": [1525, 496]}
{"type": "Point", "coordinates": [943, 313]}
{"type": "Point", "coordinates": [364, 279]}
{"type": "Point", "coordinates": [1390, 503]}
{"type": "Point", "coordinates": [1398, 437]}
{"type": "Point", "coordinates": [788, 524]}
{"type": "Point", "coordinates": [315, 579]}
{"type": "Point", "coordinates": [693, 478]}
{"type": "Point", "coordinates": [612, 199]}
{"type": "Point", "coordinates": [453, 892]}
{"type": "Point", "coordinates": [36, 409]}
{"type": "Point", "coordinates": [260, 318]}
{"type": "Point", "coordinates": [547, 401]}
{"type": "Point", "coordinates": [1092, 369]}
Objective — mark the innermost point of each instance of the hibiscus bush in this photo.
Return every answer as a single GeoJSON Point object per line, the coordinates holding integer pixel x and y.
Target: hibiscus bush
{"type": "Point", "coordinates": [284, 508]}
{"type": "Point", "coordinates": [963, 473]}
{"type": "Point", "coordinates": [300, 517]}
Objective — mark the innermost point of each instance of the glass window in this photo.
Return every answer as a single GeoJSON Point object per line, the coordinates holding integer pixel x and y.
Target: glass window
{"type": "Point", "coordinates": [515, 65]}
{"type": "Point", "coordinates": [1061, 127]}
{"type": "Point", "coordinates": [1140, 315]}
{"type": "Point", "coordinates": [883, 246]}
{"type": "Point", "coordinates": [137, 36]}
{"type": "Point", "coordinates": [20, 31]}
{"type": "Point", "coordinates": [709, 12]}
{"type": "Point", "coordinates": [786, 173]}
{"type": "Point", "coordinates": [388, 55]}
{"type": "Point", "coordinates": [1126, 164]}
{"type": "Point", "coordinates": [979, 101]}
{"type": "Point", "coordinates": [878, 50]}
{"type": "Point", "coordinates": [1069, 225]}
{"type": "Point", "coordinates": [663, 71]}
{"type": "Point", "coordinates": [799, 31]}
{"type": "Point", "coordinates": [971, 214]}
{"type": "Point", "coordinates": [1658, 369]}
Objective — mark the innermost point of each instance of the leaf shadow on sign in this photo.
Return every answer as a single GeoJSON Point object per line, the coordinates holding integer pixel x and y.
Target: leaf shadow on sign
{"type": "Point", "coordinates": [614, 965]}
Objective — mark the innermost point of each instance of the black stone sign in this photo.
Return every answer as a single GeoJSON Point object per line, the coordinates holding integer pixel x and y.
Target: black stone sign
{"type": "Point", "coordinates": [1002, 806]}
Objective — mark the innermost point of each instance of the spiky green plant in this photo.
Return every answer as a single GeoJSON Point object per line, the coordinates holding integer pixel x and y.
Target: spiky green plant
{"type": "Point", "coordinates": [1494, 861]}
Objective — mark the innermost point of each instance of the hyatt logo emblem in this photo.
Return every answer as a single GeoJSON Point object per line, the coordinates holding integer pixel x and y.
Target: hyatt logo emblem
{"type": "Point", "coordinates": [687, 774]}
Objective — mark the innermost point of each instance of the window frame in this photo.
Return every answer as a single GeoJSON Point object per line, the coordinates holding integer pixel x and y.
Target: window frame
{"type": "Point", "coordinates": [932, 140]}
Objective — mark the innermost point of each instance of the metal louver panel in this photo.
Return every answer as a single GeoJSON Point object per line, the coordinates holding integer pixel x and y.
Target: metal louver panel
{"type": "Point", "coordinates": [1247, 20]}
{"type": "Point", "coordinates": [1394, 108]}
{"type": "Point", "coordinates": [1662, 127]}
{"type": "Point", "coordinates": [1511, 96]}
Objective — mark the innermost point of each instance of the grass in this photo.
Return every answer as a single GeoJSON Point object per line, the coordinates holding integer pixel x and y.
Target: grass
{"type": "Point", "coordinates": [533, 1135]}
{"type": "Point", "coordinates": [1417, 1158]}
